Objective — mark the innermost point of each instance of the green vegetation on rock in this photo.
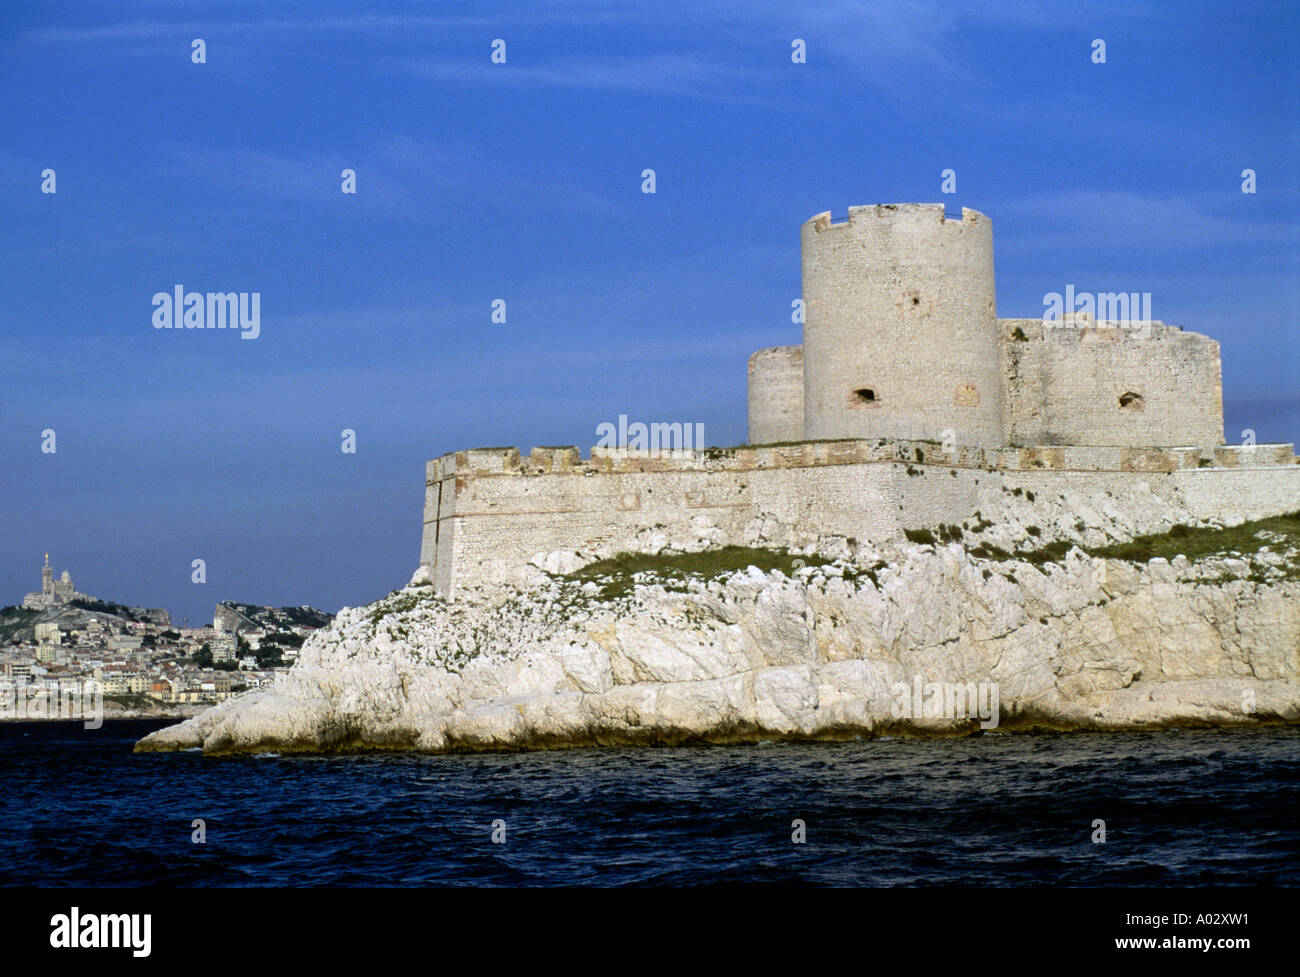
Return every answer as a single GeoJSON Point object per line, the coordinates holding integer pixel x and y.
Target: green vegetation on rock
{"type": "Point", "coordinates": [1191, 542]}
{"type": "Point", "coordinates": [615, 575]}
{"type": "Point", "coordinates": [1197, 542]}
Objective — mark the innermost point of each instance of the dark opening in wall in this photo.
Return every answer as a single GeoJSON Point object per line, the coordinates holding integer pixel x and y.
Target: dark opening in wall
{"type": "Point", "coordinates": [909, 303]}
{"type": "Point", "coordinates": [1130, 401]}
{"type": "Point", "coordinates": [865, 395]}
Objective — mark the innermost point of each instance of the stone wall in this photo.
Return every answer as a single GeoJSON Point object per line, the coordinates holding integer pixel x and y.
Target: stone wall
{"type": "Point", "coordinates": [490, 512]}
{"type": "Point", "coordinates": [1087, 383]}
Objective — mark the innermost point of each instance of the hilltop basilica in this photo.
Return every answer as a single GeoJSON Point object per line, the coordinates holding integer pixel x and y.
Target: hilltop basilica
{"type": "Point", "coordinates": [53, 592]}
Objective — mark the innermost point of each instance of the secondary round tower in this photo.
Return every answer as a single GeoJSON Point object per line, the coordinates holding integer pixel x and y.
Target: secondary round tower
{"type": "Point", "coordinates": [776, 395]}
{"type": "Point", "coordinates": [900, 326]}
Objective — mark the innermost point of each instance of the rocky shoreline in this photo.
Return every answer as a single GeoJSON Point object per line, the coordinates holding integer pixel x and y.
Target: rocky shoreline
{"type": "Point", "coordinates": [861, 642]}
{"type": "Point", "coordinates": [112, 711]}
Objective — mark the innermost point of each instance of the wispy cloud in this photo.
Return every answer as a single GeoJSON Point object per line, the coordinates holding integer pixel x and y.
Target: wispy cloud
{"type": "Point", "coordinates": [146, 30]}
{"type": "Point", "coordinates": [697, 75]}
{"type": "Point", "coordinates": [397, 174]}
{"type": "Point", "coordinates": [1084, 219]}
{"type": "Point", "coordinates": [890, 45]}
{"type": "Point", "coordinates": [401, 25]}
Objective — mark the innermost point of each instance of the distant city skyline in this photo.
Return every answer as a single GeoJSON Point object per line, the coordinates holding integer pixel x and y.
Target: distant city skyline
{"type": "Point", "coordinates": [60, 593]}
{"type": "Point", "coordinates": [522, 182]}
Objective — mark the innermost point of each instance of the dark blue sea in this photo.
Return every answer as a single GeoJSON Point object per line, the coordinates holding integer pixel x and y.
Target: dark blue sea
{"type": "Point", "coordinates": [1187, 808]}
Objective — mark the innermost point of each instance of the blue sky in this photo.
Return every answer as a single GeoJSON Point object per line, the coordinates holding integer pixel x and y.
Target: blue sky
{"type": "Point", "coordinates": [522, 181]}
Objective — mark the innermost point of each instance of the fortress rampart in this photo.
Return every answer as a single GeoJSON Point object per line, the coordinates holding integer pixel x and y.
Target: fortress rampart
{"type": "Point", "coordinates": [489, 512]}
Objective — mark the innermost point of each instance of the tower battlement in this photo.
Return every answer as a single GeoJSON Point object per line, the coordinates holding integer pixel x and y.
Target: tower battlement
{"type": "Point", "coordinates": [875, 215]}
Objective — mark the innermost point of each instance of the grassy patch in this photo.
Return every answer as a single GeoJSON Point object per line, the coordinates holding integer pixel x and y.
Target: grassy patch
{"type": "Point", "coordinates": [1193, 543]}
{"type": "Point", "coordinates": [397, 602]}
{"type": "Point", "coordinates": [1050, 553]}
{"type": "Point", "coordinates": [791, 444]}
{"type": "Point", "coordinates": [615, 574]}
{"type": "Point", "coordinates": [872, 572]}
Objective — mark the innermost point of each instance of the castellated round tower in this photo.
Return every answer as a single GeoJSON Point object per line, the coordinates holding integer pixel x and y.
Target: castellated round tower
{"type": "Point", "coordinates": [900, 328]}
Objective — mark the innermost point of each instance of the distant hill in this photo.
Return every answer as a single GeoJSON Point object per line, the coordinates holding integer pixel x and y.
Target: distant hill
{"type": "Point", "coordinates": [152, 615]}
{"type": "Point", "coordinates": [233, 616]}
{"type": "Point", "coordinates": [17, 622]}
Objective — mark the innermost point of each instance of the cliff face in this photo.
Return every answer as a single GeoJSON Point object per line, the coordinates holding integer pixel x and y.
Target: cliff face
{"type": "Point", "coordinates": [857, 646]}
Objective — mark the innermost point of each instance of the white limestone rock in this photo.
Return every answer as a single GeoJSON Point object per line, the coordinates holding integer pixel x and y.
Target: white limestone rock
{"type": "Point", "coordinates": [1079, 643]}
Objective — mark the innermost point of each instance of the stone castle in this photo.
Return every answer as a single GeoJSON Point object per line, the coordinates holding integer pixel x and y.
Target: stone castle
{"type": "Point", "coordinates": [902, 340]}
{"type": "Point", "coordinates": [909, 405]}
{"type": "Point", "coordinates": [53, 592]}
